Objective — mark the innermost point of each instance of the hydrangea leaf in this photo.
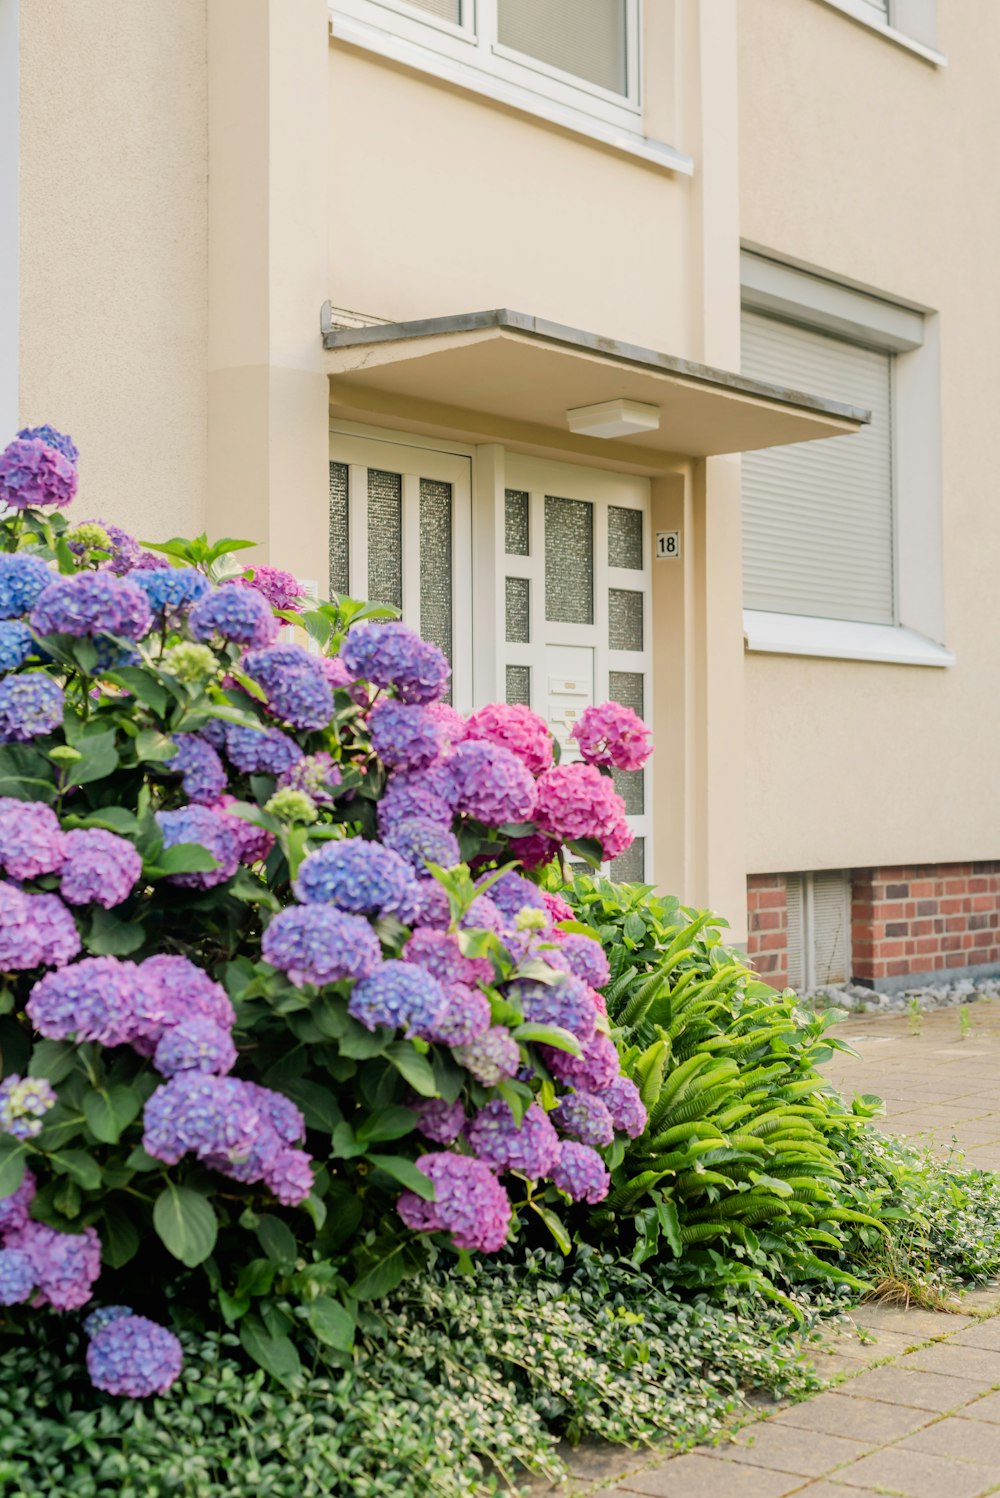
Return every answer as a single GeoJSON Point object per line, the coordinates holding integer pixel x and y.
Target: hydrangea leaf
{"type": "Point", "coordinates": [186, 1224]}
{"type": "Point", "coordinates": [119, 1236]}
{"type": "Point", "coordinates": [109, 1113]}
{"type": "Point", "coordinates": [278, 1242]}
{"type": "Point", "coordinates": [98, 759]}
{"type": "Point", "coordinates": [331, 1322]}
{"type": "Point", "coordinates": [25, 775]}
{"type": "Point", "coordinates": [182, 858]}
{"type": "Point", "coordinates": [276, 1355]}
{"type": "Point", "coordinates": [110, 937]}
{"type": "Point", "coordinates": [413, 1067]}
{"type": "Point", "coordinates": [13, 1159]}
{"type": "Point", "coordinates": [554, 1225]}
{"type": "Point", "coordinates": [387, 1123]}
{"type": "Point", "coordinates": [78, 1164]}
{"type": "Point", "coordinates": [406, 1173]}
{"type": "Point", "coordinates": [553, 1035]}
{"type": "Point", "coordinates": [143, 686]}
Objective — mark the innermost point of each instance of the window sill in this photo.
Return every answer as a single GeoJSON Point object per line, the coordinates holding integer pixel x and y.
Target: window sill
{"type": "Point", "coordinates": [839, 639]}
{"type": "Point", "coordinates": [425, 60]}
{"type": "Point", "coordinates": [859, 13]}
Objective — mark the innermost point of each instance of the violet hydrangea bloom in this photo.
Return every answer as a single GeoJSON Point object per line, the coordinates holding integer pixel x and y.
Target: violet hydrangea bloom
{"type": "Point", "coordinates": [491, 1056]}
{"type": "Point", "coordinates": [466, 1015]}
{"type": "Point", "coordinates": [530, 1147]}
{"type": "Point", "coordinates": [421, 841]}
{"type": "Point", "coordinates": [397, 995]}
{"type": "Point", "coordinates": [356, 876]}
{"type": "Point", "coordinates": [585, 956]}
{"type": "Point", "coordinates": [179, 990]}
{"type": "Point", "coordinates": [16, 645]}
{"type": "Point", "coordinates": [195, 1044]}
{"type": "Point", "coordinates": [533, 851]}
{"type": "Point", "coordinates": [14, 1208]}
{"type": "Point", "coordinates": [133, 1356]}
{"type": "Point", "coordinates": [22, 578]}
{"type": "Point", "coordinates": [172, 591]}
{"type": "Point", "coordinates": [316, 775]}
{"type": "Point", "coordinates": [511, 893]}
{"type": "Point", "coordinates": [240, 615]}
{"type": "Point", "coordinates": [319, 945]}
{"type": "Point", "coordinates": [421, 794]}
{"type": "Point", "coordinates": [439, 953]}
{"type": "Point", "coordinates": [439, 1121]}
{"type": "Point", "coordinates": [92, 603]}
{"type": "Point", "coordinates": [515, 727]}
{"type": "Point", "coordinates": [469, 1202]}
{"type": "Point", "coordinates": [622, 1100]}
{"type": "Point", "coordinates": [584, 1117]}
{"type": "Point", "coordinates": [52, 438]}
{"type": "Point", "coordinates": [200, 768]}
{"type": "Point", "coordinates": [34, 930]}
{"type": "Point", "coordinates": [566, 1003]}
{"type": "Point", "coordinates": [200, 1115]}
{"type": "Point", "coordinates": [64, 1266]}
{"type": "Point", "coordinates": [393, 655]}
{"type": "Point", "coordinates": [594, 1071]}
{"type": "Point", "coordinates": [30, 706]}
{"type": "Point", "coordinates": [255, 842]}
{"type": "Point", "coordinates": [31, 839]}
{"type": "Point", "coordinates": [33, 473]}
{"type": "Point", "coordinates": [612, 735]}
{"type": "Point", "coordinates": [581, 1173]}
{"type": "Point", "coordinates": [404, 735]}
{"type": "Point", "coordinates": [126, 555]}
{"type": "Point", "coordinates": [271, 1158]}
{"type": "Point", "coordinates": [209, 830]}
{"type": "Point", "coordinates": [295, 683]}
{"type": "Point", "coordinates": [98, 868]}
{"type": "Point", "coordinates": [24, 1102]}
{"type": "Point", "coordinates": [280, 588]}
{"type": "Point", "coordinates": [103, 1316]}
{"type": "Point", "coordinates": [101, 998]}
{"type": "Point", "coordinates": [261, 751]}
{"type": "Point", "coordinates": [17, 1277]}
{"type": "Point", "coordinates": [491, 784]}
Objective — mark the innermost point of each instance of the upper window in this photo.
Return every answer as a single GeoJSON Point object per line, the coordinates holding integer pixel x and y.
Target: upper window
{"type": "Point", "coordinates": [908, 23]}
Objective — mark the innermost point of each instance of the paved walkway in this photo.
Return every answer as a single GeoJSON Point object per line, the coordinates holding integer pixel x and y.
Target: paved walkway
{"type": "Point", "coordinates": [915, 1411]}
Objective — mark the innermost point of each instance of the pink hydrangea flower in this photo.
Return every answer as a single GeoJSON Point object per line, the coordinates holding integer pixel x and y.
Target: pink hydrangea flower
{"type": "Point", "coordinates": [280, 588]}
{"type": "Point", "coordinates": [517, 728]}
{"type": "Point", "coordinates": [31, 840]}
{"type": "Point", "coordinates": [577, 801]}
{"type": "Point", "coordinates": [612, 735]}
{"type": "Point", "coordinates": [33, 473]}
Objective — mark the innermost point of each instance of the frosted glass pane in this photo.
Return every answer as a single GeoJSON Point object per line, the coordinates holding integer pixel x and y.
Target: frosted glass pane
{"type": "Point", "coordinates": [569, 560]}
{"type": "Point", "coordinates": [624, 537]}
{"type": "Point", "coordinates": [624, 619]}
{"type": "Point", "coordinates": [385, 537]}
{"type": "Point", "coordinates": [435, 564]}
{"type": "Point", "coordinates": [628, 688]}
{"type": "Point", "coordinates": [518, 614]}
{"type": "Point", "coordinates": [447, 10]}
{"type": "Point", "coordinates": [516, 541]}
{"type": "Point", "coordinates": [340, 576]}
{"type": "Point", "coordinates": [519, 685]}
{"type": "Point", "coordinates": [630, 866]}
{"type": "Point", "coordinates": [631, 786]}
{"type": "Point", "coordinates": [583, 37]}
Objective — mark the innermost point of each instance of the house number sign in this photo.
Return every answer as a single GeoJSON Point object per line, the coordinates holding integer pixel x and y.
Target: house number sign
{"type": "Point", "coordinates": [668, 546]}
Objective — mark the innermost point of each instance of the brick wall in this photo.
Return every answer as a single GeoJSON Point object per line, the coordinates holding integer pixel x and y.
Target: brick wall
{"type": "Point", "coordinates": [767, 942]}
{"type": "Point", "coordinates": [925, 919]}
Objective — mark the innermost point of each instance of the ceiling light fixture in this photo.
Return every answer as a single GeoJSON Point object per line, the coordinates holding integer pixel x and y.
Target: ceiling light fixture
{"type": "Point", "coordinates": [613, 419]}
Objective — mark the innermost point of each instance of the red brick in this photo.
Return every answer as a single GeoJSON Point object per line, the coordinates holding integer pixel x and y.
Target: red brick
{"type": "Point", "coordinates": [770, 899]}
{"type": "Point", "coordinates": [898, 928]}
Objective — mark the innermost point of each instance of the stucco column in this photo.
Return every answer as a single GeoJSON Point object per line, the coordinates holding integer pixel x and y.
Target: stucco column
{"type": "Point", "coordinates": [268, 395]}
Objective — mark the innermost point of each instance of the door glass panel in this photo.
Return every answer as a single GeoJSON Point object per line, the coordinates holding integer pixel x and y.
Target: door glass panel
{"type": "Point", "coordinates": [624, 619]}
{"type": "Point", "coordinates": [518, 612]}
{"type": "Point", "coordinates": [626, 687]}
{"type": "Point", "coordinates": [516, 523]}
{"type": "Point", "coordinates": [630, 867]}
{"type": "Point", "coordinates": [435, 564]}
{"type": "Point", "coordinates": [624, 537]}
{"type": "Point", "coordinates": [583, 37]}
{"type": "Point", "coordinates": [569, 560]}
{"type": "Point", "coordinates": [340, 574]}
{"type": "Point", "coordinates": [447, 10]}
{"type": "Point", "coordinates": [385, 537]}
{"type": "Point", "coordinates": [519, 685]}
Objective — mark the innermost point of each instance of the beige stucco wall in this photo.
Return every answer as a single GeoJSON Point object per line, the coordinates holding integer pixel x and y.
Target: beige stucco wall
{"type": "Point", "coordinates": [113, 250]}
{"type": "Point", "coordinates": [861, 159]}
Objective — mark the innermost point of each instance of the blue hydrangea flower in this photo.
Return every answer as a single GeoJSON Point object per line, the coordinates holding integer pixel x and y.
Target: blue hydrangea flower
{"type": "Point", "coordinates": [98, 868]}
{"type": "Point", "coordinates": [201, 1115]}
{"type": "Point", "coordinates": [171, 591]}
{"type": "Point", "coordinates": [240, 615]}
{"type": "Point", "coordinates": [491, 784]}
{"type": "Point", "coordinates": [397, 995]}
{"type": "Point", "coordinates": [357, 876]}
{"type": "Point", "coordinates": [24, 1102]}
{"type": "Point", "coordinates": [423, 793]}
{"type": "Point", "coordinates": [103, 1316]}
{"type": "Point", "coordinates": [200, 768]}
{"type": "Point", "coordinates": [421, 841]}
{"type": "Point", "coordinates": [100, 998]}
{"type": "Point", "coordinates": [14, 1208]}
{"type": "Point", "coordinates": [295, 683]}
{"type": "Point", "coordinates": [566, 1003]}
{"type": "Point", "coordinates": [209, 829]}
{"type": "Point", "coordinates": [92, 603]}
{"type": "Point", "coordinates": [16, 644]}
{"type": "Point", "coordinates": [30, 706]}
{"type": "Point", "coordinates": [581, 1173]}
{"type": "Point", "coordinates": [583, 1116]}
{"type": "Point", "coordinates": [530, 1147]}
{"type": "Point", "coordinates": [511, 892]}
{"type": "Point", "coordinates": [585, 957]}
{"type": "Point", "coordinates": [393, 655]}
{"type": "Point", "coordinates": [22, 578]}
{"type": "Point", "coordinates": [316, 775]}
{"type": "Point", "coordinates": [316, 944]}
{"type": "Point", "coordinates": [17, 1278]}
{"type": "Point", "coordinates": [405, 735]}
{"type": "Point", "coordinates": [197, 1044]}
{"type": "Point", "coordinates": [33, 473]}
{"type": "Point", "coordinates": [258, 751]}
{"type": "Point", "coordinates": [52, 438]}
{"type": "Point", "coordinates": [134, 1357]}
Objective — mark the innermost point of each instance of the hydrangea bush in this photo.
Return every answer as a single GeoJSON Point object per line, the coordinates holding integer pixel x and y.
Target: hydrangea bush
{"type": "Point", "coordinates": [284, 1015]}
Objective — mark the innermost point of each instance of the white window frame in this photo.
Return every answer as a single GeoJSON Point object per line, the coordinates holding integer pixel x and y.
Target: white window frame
{"type": "Point", "coordinates": [911, 24]}
{"type": "Point", "coordinates": [811, 300]}
{"type": "Point", "coordinates": [471, 57]}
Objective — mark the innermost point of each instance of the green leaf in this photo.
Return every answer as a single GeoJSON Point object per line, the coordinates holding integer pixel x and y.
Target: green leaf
{"type": "Point", "coordinates": [13, 1159]}
{"type": "Point", "coordinates": [345, 1146]}
{"type": "Point", "coordinates": [389, 1269]}
{"type": "Point", "coordinates": [83, 1168]}
{"type": "Point", "coordinates": [53, 1059]}
{"type": "Point", "coordinates": [413, 1067]}
{"type": "Point", "coordinates": [255, 1278]}
{"type": "Point", "coordinates": [276, 1355]}
{"type": "Point", "coordinates": [109, 936]}
{"type": "Point", "coordinates": [666, 1212]}
{"type": "Point", "coordinates": [359, 1043]}
{"type": "Point", "coordinates": [186, 1224]}
{"type": "Point", "coordinates": [143, 686]}
{"type": "Point", "coordinates": [553, 1035]}
{"type": "Point", "coordinates": [98, 759]}
{"type": "Point", "coordinates": [406, 1173]}
{"type": "Point", "coordinates": [139, 1160]}
{"type": "Point", "coordinates": [331, 1322]}
{"type": "Point", "coordinates": [589, 849]}
{"type": "Point", "coordinates": [278, 1242]}
{"type": "Point", "coordinates": [232, 1307]}
{"type": "Point", "coordinates": [111, 818]}
{"type": "Point", "coordinates": [634, 927]}
{"type": "Point", "coordinates": [25, 775]}
{"type": "Point", "coordinates": [183, 858]}
{"type": "Point", "coordinates": [319, 1106]}
{"type": "Point", "coordinates": [119, 1236]}
{"type": "Point", "coordinates": [109, 1113]}
{"type": "Point", "coordinates": [153, 746]}
{"type": "Point", "coordinates": [387, 1123]}
{"type": "Point", "coordinates": [554, 1225]}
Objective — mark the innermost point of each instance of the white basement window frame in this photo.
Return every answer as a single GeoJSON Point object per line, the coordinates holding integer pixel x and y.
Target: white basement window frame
{"type": "Point", "coordinates": [915, 633]}
{"type": "Point", "coordinates": [467, 52]}
{"type": "Point", "coordinates": [910, 24]}
{"type": "Point", "coordinates": [819, 930]}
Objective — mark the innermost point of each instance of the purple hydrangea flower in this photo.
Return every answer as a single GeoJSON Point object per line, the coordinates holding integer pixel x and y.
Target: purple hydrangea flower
{"type": "Point", "coordinates": [24, 1102]}
{"type": "Point", "coordinates": [585, 957]}
{"type": "Point", "coordinates": [404, 735]}
{"type": "Point", "coordinates": [466, 1015]}
{"type": "Point", "coordinates": [31, 840]}
{"type": "Point", "coordinates": [16, 644]}
{"type": "Point", "coordinates": [30, 706]}
{"type": "Point", "coordinates": [393, 655]}
{"type": "Point", "coordinates": [622, 1100]}
{"type": "Point", "coordinates": [14, 1208]}
{"type": "Point", "coordinates": [491, 1056]}
{"type": "Point", "coordinates": [171, 591]}
{"type": "Point", "coordinates": [103, 1316]}
{"type": "Point", "coordinates": [22, 578]}
{"type": "Point", "coordinates": [318, 945]}
{"type": "Point", "coordinates": [511, 893]}
{"type": "Point", "coordinates": [530, 1147]}
{"type": "Point", "coordinates": [469, 1203]}
{"type": "Point", "coordinates": [197, 1044]}
{"type": "Point", "coordinates": [316, 775]}
{"type": "Point", "coordinates": [439, 953]}
{"type": "Point", "coordinates": [180, 991]}
{"type": "Point", "coordinates": [270, 1124]}
{"type": "Point", "coordinates": [209, 830]}
{"type": "Point", "coordinates": [98, 868]}
{"type": "Point", "coordinates": [125, 553]}
{"type": "Point", "coordinates": [357, 876]}
{"type": "Point", "coordinates": [583, 1116]}
{"type": "Point", "coordinates": [398, 996]}
{"type": "Point", "coordinates": [422, 841]}
{"type": "Point", "coordinates": [17, 1278]}
{"type": "Point", "coordinates": [258, 751]}
{"type": "Point", "coordinates": [64, 1266]}
{"type": "Point", "coordinates": [281, 589]}
{"type": "Point", "coordinates": [289, 1175]}
{"type": "Point", "coordinates": [92, 603]}
{"type": "Point", "coordinates": [566, 1003]}
{"type": "Point", "coordinates": [52, 438]}
{"type": "Point", "coordinates": [134, 1357]}
{"type": "Point", "coordinates": [240, 615]}
{"type": "Point", "coordinates": [439, 1121]}
{"type": "Point", "coordinates": [100, 998]}
{"type": "Point", "coordinates": [581, 1173]}
{"type": "Point", "coordinates": [200, 768]}
{"type": "Point", "coordinates": [431, 908]}
{"type": "Point", "coordinates": [33, 473]}
{"type": "Point", "coordinates": [34, 929]}
{"type": "Point", "coordinates": [202, 1115]}
{"type": "Point", "coordinates": [490, 784]}
{"type": "Point", "coordinates": [255, 843]}
{"type": "Point", "coordinates": [295, 683]}
{"type": "Point", "coordinates": [424, 794]}
{"type": "Point", "coordinates": [594, 1071]}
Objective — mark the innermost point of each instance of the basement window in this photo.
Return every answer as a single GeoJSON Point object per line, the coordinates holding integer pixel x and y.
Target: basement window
{"type": "Point", "coordinates": [819, 930]}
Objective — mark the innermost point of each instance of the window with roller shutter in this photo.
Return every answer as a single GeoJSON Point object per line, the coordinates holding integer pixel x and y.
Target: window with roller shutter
{"type": "Point", "coordinates": [819, 930]}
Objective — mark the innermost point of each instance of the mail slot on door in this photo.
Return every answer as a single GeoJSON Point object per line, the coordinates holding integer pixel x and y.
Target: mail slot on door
{"type": "Point", "coordinates": [568, 696]}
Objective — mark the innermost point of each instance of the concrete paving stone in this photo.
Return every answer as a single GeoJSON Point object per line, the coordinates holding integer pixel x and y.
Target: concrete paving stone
{"type": "Point", "coordinates": [935, 1392]}
{"type": "Point", "coordinates": [985, 1299]}
{"type": "Point", "coordinates": [697, 1476]}
{"type": "Point", "coordinates": [785, 1448]}
{"type": "Point", "coordinates": [916, 1323]}
{"type": "Point", "coordinates": [916, 1474]}
{"type": "Point", "coordinates": [826, 1489]}
{"type": "Point", "coordinates": [980, 1334]}
{"type": "Point", "coordinates": [962, 1362]}
{"type": "Point", "coordinates": [987, 1408]}
{"type": "Point", "coordinates": [838, 1414]}
{"type": "Point", "coordinates": [961, 1440]}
